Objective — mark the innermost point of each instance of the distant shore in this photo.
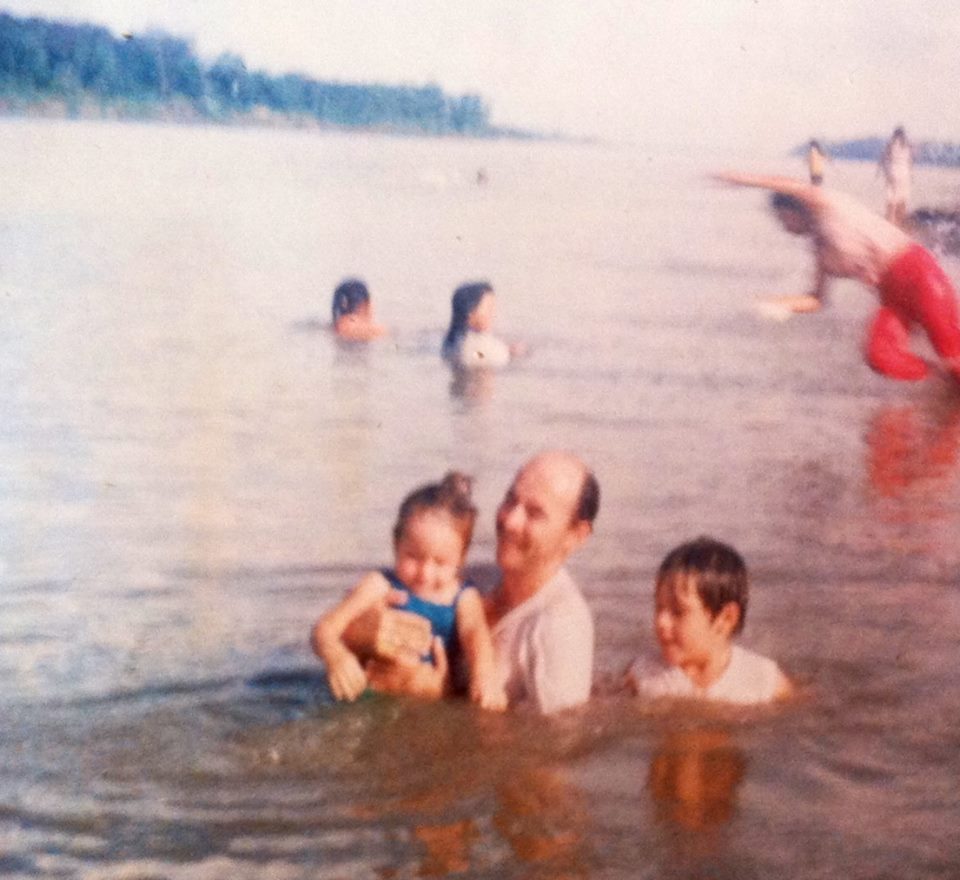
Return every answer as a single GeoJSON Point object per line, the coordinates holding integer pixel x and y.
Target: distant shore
{"type": "Point", "coordinates": [185, 113]}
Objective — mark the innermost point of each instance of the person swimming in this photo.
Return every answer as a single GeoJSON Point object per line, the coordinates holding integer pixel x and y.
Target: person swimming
{"type": "Point", "coordinates": [353, 312]}
{"type": "Point", "coordinates": [469, 342]}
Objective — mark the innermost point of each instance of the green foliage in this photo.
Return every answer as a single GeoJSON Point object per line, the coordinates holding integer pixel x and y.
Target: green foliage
{"type": "Point", "coordinates": [42, 60]}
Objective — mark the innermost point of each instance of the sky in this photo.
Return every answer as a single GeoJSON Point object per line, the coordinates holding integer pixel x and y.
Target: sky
{"type": "Point", "coordinates": [716, 73]}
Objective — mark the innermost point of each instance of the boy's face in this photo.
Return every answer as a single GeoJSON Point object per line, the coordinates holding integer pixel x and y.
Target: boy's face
{"type": "Point", "coordinates": [688, 634]}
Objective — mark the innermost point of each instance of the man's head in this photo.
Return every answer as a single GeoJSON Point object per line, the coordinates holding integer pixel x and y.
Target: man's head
{"type": "Point", "coordinates": [547, 513]}
{"type": "Point", "coordinates": [792, 213]}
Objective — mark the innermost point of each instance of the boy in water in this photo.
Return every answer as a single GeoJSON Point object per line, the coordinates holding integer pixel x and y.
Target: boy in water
{"type": "Point", "coordinates": [701, 604]}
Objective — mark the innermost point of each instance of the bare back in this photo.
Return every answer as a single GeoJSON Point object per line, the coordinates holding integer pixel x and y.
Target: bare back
{"type": "Point", "coordinates": [852, 241]}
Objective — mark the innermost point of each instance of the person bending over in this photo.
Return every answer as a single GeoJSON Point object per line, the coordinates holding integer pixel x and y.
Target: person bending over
{"type": "Point", "coordinates": [851, 241]}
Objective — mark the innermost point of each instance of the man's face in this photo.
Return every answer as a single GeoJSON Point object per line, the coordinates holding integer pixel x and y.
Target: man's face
{"type": "Point", "coordinates": [535, 528]}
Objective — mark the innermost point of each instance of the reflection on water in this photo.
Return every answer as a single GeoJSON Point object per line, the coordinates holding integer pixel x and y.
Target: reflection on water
{"type": "Point", "coordinates": [473, 793]}
{"type": "Point", "coordinates": [910, 446]}
{"type": "Point", "coordinates": [474, 386]}
{"type": "Point", "coordinates": [694, 777]}
{"type": "Point", "coordinates": [913, 451]}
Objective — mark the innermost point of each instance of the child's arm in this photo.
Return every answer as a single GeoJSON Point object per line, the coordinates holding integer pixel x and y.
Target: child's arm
{"type": "Point", "coordinates": [344, 671]}
{"type": "Point", "coordinates": [784, 688]}
{"type": "Point", "coordinates": [474, 634]}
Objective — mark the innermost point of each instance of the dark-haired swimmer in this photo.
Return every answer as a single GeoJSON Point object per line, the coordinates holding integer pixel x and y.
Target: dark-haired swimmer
{"type": "Point", "coordinates": [469, 342]}
{"type": "Point", "coordinates": [353, 313]}
{"type": "Point", "coordinates": [851, 241]}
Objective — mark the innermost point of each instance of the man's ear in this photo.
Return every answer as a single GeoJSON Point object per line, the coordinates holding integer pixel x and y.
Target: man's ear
{"type": "Point", "coordinates": [728, 618]}
{"type": "Point", "coordinates": [578, 534]}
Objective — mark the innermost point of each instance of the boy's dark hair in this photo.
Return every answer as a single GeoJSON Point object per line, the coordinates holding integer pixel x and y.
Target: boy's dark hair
{"type": "Point", "coordinates": [452, 495]}
{"type": "Point", "coordinates": [348, 297]}
{"type": "Point", "coordinates": [717, 571]}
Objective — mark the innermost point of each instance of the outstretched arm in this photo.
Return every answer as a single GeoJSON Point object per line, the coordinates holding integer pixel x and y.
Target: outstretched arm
{"type": "Point", "coordinates": [811, 196]}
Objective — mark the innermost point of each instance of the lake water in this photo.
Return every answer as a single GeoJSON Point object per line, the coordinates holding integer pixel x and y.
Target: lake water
{"type": "Point", "coordinates": [192, 470]}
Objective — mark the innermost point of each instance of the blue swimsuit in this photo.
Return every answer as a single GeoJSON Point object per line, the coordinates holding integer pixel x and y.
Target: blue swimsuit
{"type": "Point", "coordinates": [443, 618]}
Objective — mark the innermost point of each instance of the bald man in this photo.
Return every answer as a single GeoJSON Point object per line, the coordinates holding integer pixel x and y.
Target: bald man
{"type": "Point", "coordinates": [541, 626]}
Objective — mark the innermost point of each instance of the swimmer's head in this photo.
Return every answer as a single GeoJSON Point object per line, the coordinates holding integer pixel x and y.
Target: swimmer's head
{"type": "Point", "coordinates": [714, 570]}
{"type": "Point", "coordinates": [350, 297]}
{"type": "Point", "coordinates": [468, 309]}
{"type": "Point", "coordinates": [815, 145]}
{"type": "Point", "coordinates": [450, 497]}
{"type": "Point", "coordinates": [793, 213]}
{"type": "Point", "coordinates": [899, 134]}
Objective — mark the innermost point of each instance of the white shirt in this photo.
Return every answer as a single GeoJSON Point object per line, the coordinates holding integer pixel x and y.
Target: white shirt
{"type": "Point", "coordinates": [749, 678]}
{"type": "Point", "coordinates": [544, 647]}
{"type": "Point", "coordinates": [482, 350]}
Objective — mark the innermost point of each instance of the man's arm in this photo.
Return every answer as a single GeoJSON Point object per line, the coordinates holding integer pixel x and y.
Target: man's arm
{"type": "Point", "coordinates": [389, 633]}
{"type": "Point", "coordinates": [814, 197]}
{"type": "Point", "coordinates": [424, 680]}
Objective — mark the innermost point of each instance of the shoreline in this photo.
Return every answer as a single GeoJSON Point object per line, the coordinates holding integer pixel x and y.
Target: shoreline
{"type": "Point", "coordinates": [185, 114]}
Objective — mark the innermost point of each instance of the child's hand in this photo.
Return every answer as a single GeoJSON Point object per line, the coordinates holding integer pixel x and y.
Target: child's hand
{"type": "Point", "coordinates": [488, 693]}
{"type": "Point", "coordinates": [346, 676]}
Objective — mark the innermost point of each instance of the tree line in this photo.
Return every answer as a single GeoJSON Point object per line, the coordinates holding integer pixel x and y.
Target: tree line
{"type": "Point", "coordinates": [87, 70]}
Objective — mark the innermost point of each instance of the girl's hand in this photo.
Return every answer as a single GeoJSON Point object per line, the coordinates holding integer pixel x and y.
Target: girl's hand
{"type": "Point", "coordinates": [488, 693]}
{"type": "Point", "coordinates": [346, 676]}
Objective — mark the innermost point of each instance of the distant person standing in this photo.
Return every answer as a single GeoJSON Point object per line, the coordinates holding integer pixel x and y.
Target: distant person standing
{"type": "Point", "coordinates": [896, 163]}
{"type": "Point", "coordinates": [816, 160]}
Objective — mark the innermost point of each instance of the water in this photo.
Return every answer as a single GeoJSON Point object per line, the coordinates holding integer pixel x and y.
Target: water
{"type": "Point", "coordinates": [192, 470]}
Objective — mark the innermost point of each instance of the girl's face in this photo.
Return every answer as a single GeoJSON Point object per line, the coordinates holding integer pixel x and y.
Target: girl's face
{"type": "Point", "coordinates": [481, 318]}
{"type": "Point", "coordinates": [429, 554]}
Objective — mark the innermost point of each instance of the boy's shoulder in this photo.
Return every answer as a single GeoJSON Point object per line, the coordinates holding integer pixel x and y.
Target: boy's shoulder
{"type": "Point", "coordinates": [749, 678]}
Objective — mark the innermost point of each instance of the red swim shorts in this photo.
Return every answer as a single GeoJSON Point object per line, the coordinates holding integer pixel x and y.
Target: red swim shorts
{"type": "Point", "coordinates": [914, 290]}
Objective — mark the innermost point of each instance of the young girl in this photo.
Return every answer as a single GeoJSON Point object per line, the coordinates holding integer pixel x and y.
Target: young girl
{"type": "Point", "coordinates": [430, 541]}
{"type": "Point", "coordinates": [469, 342]}
{"type": "Point", "coordinates": [353, 314]}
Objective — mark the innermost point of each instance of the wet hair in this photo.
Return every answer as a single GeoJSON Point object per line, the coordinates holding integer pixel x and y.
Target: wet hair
{"type": "Point", "coordinates": [815, 145]}
{"type": "Point", "coordinates": [452, 495]}
{"type": "Point", "coordinates": [900, 133]}
{"type": "Point", "coordinates": [715, 569]}
{"type": "Point", "coordinates": [588, 502]}
{"type": "Point", "coordinates": [349, 296]}
{"type": "Point", "coordinates": [784, 202]}
{"type": "Point", "coordinates": [465, 299]}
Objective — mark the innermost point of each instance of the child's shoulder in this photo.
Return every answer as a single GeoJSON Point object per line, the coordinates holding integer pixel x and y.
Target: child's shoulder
{"type": "Point", "coordinates": [749, 678]}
